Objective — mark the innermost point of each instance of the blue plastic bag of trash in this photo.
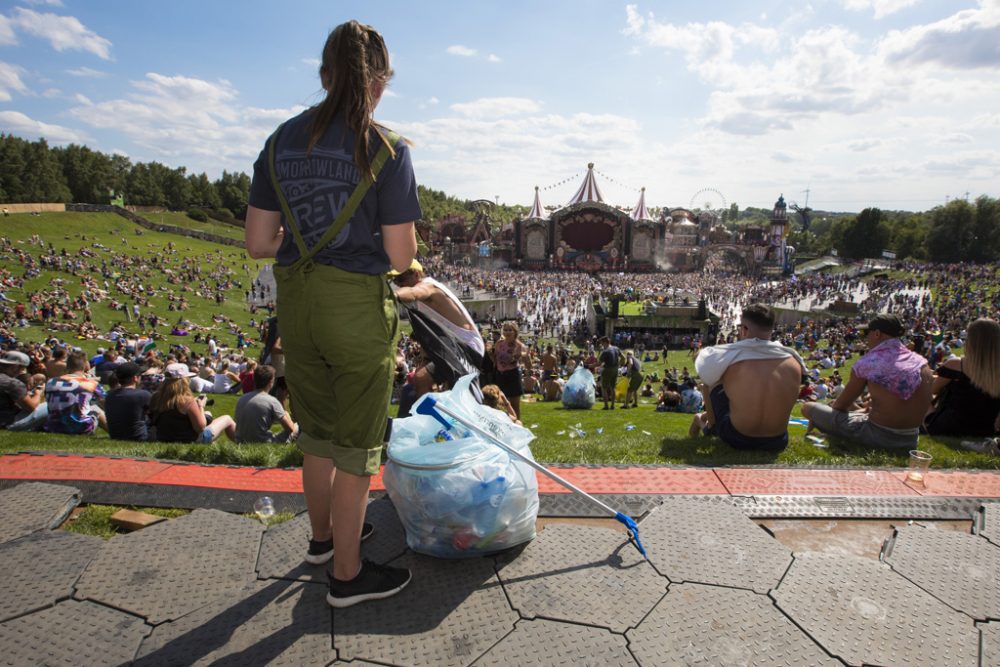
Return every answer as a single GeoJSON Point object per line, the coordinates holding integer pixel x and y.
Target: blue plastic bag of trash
{"type": "Point", "coordinates": [457, 495]}
{"type": "Point", "coordinates": [578, 394]}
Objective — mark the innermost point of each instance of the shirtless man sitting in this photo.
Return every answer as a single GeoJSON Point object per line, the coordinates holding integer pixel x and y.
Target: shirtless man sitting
{"type": "Point", "coordinates": [751, 386]}
{"type": "Point", "coordinates": [442, 306]}
{"type": "Point", "coordinates": [899, 382]}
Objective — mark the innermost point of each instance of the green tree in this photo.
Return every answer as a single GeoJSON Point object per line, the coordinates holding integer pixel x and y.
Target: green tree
{"type": "Point", "coordinates": [88, 173]}
{"type": "Point", "coordinates": [203, 193]}
{"type": "Point", "coordinates": [952, 231]}
{"type": "Point", "coordinates": [863, 236]}
{"type": "Point", "coordinates": [986, 231]}
{"type": "Point", "coordinates": [43, 176]}
{"type": "Point", "coordinates": [141, 188]}
{"type": "Point", "coordinates": [12, 165]}
{"type": "Point", "coordinates": [234, 192]}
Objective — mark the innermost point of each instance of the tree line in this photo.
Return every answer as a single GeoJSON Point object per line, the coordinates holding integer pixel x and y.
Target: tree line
{"type": "Point", "coordinates": [31, 171]}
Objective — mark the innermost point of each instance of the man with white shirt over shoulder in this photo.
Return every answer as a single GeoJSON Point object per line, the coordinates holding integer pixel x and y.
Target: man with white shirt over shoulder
{"type": "Point", "coordinates": [750, 386]}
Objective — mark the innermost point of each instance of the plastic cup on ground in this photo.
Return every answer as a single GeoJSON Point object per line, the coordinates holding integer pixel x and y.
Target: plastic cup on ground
{"type": "Point", "coordinates": [264, 508]}
{"type": "Point", "coordinates": [920, 463]}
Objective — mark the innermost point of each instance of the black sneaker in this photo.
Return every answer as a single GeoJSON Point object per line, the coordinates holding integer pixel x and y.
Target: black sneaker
{"type": "Point", "coordinates": [321, 552]}
{"type": "Point", "coordinates": [373, 582]}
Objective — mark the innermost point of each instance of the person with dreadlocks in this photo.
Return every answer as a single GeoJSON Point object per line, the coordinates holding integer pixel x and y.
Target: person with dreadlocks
{"type": "Point", "coordinates": [334, 201]}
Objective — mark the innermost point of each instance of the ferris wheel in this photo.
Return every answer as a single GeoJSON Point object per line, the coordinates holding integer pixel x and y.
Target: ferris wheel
{"type": "Point", "coordinates": [708, 199]}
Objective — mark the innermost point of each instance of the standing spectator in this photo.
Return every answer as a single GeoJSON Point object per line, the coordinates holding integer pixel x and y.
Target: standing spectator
{"type": "Point", "coordinates": [127, 407]}
{"type": "Point", "coordinates": [899, 382]}
{"type": "Point", "coordinates": [257, 411]}
{"type": "Point", "coordinates": [609, 360]}
{"type": "Point", "coordinates": [633, 370]}
{"type": "Point", "coordinates": [508, 354]}
{"type": "Point", "coordinates": [338, 316]}
{"type": "Point", "coordinates": [73, 398]}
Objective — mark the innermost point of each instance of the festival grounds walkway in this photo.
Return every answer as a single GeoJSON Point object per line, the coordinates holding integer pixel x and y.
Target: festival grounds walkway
{"type": "Point", "coordinates": [762, 566]}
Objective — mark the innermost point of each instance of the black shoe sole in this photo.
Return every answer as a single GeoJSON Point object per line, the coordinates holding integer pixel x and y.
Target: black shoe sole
{"type": "Point", "coordinates": [349, 601]}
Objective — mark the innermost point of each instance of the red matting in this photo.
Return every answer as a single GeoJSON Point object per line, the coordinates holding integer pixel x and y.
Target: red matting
{"type": "Point", "coordinates": [972, 484]}
{"type": "Point", "coordinates": [97, 468]}
{"type": "Point", "coordinates": [604, 480]}
{"type": "Point", "coordinates": [793, 482]}
{"type": "Point", "coordinates": [637, 480]}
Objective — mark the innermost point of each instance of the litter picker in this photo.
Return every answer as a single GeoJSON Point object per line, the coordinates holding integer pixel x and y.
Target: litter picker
{"type": "Point", "coordinates": [432, 408]}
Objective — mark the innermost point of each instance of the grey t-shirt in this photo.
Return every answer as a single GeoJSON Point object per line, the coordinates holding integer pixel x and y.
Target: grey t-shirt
{"type": "Point", "coordinates": [255, 413]}
{"type": "Point", "coordinates": [318, 184]}
{"type": "Point", "coordinates": [12, 390]}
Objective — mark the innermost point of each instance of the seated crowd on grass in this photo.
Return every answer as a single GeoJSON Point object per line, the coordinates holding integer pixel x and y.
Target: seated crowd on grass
{"type": "Point", "coordinates": [146, 391]}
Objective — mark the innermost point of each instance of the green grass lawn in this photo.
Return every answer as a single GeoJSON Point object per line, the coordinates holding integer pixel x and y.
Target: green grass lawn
{"type": "Point", "coordinates": [180, 219]}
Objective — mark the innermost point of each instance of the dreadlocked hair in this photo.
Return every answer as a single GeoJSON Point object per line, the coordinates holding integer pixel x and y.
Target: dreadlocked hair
{"type": "Point", "coordinates": [354, 58]}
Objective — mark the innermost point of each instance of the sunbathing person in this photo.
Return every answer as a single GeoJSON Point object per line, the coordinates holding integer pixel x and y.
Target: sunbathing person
{"type": "Point", "coordinates": [751, 386]}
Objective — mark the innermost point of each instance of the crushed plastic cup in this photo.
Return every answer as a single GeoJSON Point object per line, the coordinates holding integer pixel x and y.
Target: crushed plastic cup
{"type": "Point", "coordinates": [629, 427]}
{"type": "Point", "coordinates": [600, 430]}
{"type": "Point", "coordinates": [263, 507]}
{"type": "Point", "coordinates": [533, 426]}
{"type": "Point", "coordinates": [647, 433]}
{"type": "Point", "coordinates": [560, 432]}
{"type": "Point", "coordinates": [817, 441]}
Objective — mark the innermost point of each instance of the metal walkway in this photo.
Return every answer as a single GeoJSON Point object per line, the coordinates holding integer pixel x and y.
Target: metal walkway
{"type": "Point", "coordinates": [747, 566]}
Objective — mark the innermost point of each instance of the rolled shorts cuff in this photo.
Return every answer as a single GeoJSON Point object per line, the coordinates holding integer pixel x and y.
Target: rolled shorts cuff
{"type": "Point", "coordinates": [353, 460]}
{"type": "Point", "coordinates": [206, 437]}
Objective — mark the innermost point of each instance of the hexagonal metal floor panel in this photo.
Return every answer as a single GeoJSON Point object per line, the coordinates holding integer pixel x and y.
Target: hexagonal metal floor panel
{"type": "Point", "coordinates": [274, 622]}
{"type": "Point", "coordinates": [864, 613]}
{"type": "Point", "coordinates": [581, 574]}
{"type": "Point", "coordinates": [990, 643]}
{"type": "Point", "coordinates": [988, 524]}
{"type": "Point", "coordinates": [72, 633]}
{"type": "Point", "coordinates": [451, 612]}
{"type": "Point", "coordinates": [39, 570]}
{"type": "Point", "coordinates": [544, 643]}
{"type": "Point", "coordinates": [712, 543]}
{"type": "Point", "coordinates": [169, 569]}
{"type": "Point", "coordinates": [283, 546]}
{"type": "Point", "coordinates": [34, 506]}
{"type": "Point", "coordinates": [707, 625]}
{"type": "Point", "coordinates": [961, 570]}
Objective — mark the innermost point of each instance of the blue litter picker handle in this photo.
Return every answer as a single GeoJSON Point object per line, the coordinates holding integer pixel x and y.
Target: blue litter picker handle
{"type": "Point", "coordinates": [431, 407]}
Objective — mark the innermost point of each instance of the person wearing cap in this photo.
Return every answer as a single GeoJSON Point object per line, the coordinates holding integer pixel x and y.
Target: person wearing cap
{"type": "Point", "coordinates": [899, 383]}
{"type": "Point", "coordinates": [179, 416]}
{"type": "Point", "coordinates": [440, 304]}
{"type": "Point", "coordinates": [16, 401]}
{"type": "Point", "coordinates": [126, 406]}
{"type": "Point", "coordinates": [73, 399]}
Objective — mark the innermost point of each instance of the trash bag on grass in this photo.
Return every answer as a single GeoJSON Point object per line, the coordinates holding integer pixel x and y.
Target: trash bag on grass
{"type": "Point", "coordinates": [458, 495]}
{"type": "Point", "coordinates": [579, 390]}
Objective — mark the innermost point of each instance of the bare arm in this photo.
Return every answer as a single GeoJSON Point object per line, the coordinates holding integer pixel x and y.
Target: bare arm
{"type": "Point", "coordinates": [196, 413]}
{"type": "Point", "coordinates": [287, 423]}
{"type": "Point", "coordinates": [941, 382]}
{"type": "Point", "coordinates": [419, 292]}
{"type": "Point", "coordinates": [30, 400]}
{"type": "Point", "coordinates": [852, 391]}
{"type": "Point", "coordinates": [263, 233]}
{"type": "Point", "coordinates": [398, 241]}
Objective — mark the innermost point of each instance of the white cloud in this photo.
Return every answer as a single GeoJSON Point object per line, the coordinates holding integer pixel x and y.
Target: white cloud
{"type": "Point", "coordinates": [862, 145]}
{"type": "Point", "coordinates": [964, 40]}
{"type": "Point", "coordinates": [496, 107]}
{"type": "Point", "coordinates": [433, 100]}
{"type": "Point", "coordinates": [494, 58]}
{"type": "Point", "coordinates": [86, 72]}
{"type": "Point", "coordinates": [186, 121]}
{"type": "Point", "coordinates": [10, 80]}
{"type": "Point", "coordinates": [20, 124]}
{"type": "Point", "coordinates": [7, 35]}
{"type": "Point", "coordinates": [50, 93]}
{"type": "Point", "coordinates": [312, 62]}
{"type": "Point", "coordinates": [64, 33]}
{"type": "Point", "coordinates": [459, 50]}
{"type": "Point", "coordinates": [51, 3]}
{"type": "Point", "coordinates": [882, 8]}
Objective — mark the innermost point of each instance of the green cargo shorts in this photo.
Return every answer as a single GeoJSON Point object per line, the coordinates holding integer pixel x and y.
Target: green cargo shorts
{"type": "Point", "coordinates": [338, 331]}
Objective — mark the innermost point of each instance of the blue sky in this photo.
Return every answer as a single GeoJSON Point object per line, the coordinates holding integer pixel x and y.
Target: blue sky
{"type": "Point", "coordinates": [891, 103]}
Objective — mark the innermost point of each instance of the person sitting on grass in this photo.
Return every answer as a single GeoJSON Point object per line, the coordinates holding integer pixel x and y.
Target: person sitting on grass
{"type": "Point", "coordinates": [73, 398]}
{"type": "Point", "coordinates": [669, 399]}
{"type": "Point", "coordinates": [179, 416]}
{"type": "Point", "coordinates": [127, 407]}
{"type": "Point", "coordinates": [18, 402]}
{"type": "Point", "coordinates": [493, 397]}
{"type": "Point", "coordinates": [258, 410]}
{"type": "Point", "coordinates": [752, 386]}
{"type": "Point", "coordinates": [899, 382]}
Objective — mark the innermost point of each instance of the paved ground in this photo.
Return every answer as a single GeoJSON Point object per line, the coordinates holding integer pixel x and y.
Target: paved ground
{"type": "Point", "coordinates": [746, 566]}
